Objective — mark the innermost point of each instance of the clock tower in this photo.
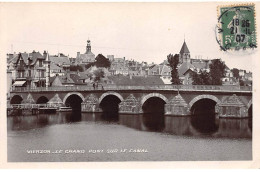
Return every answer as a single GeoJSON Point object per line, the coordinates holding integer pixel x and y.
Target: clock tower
{"type": "Point", "coordinates": [88, 48]}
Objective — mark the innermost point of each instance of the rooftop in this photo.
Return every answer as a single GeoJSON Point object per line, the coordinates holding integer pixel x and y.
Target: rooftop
{"type": "Point", "coordinates": [136, 80]}
{"type": "Point", "coordinates": [184, 48]}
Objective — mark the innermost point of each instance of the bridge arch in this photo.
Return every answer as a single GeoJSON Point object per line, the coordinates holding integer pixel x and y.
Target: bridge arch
{"type": "Point", "coordinates": [146, 97]}
{"type": "Point", "coordinates": [202, 109]}
{"type": "Point", "coordinates": [110, 93]}
{"type": "Point", "coordinates": [16, 99]}
{"type": "Point", "coordinates": [154, 104]}
{"type": "Point", "coordinates": [42, 100]}
{"type": "Point", "coordinates": [73, 93]}
{"type": "Point", "coordinates": [204, 96]}
{"type": "Point", "coordinates": [109, 105]}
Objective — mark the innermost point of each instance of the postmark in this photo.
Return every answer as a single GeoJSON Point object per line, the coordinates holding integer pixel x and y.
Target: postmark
{"type": "Point", "coordinates": [236, 28]}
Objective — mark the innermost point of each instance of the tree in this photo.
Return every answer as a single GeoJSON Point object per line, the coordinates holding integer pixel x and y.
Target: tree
{"type": "Point", "coordinates": [196, 79]}
{"type": "Point", "coordinates": [241, 83]}
{"type": "Point", "coordinates": [98, 75]}
{"type": "Point", "coordinates": [89, 65]}
{"type": "Point", "coordinates": [174, 61]}
{"type": "Point", "coordinates": [102, 61]}
{"type": "Point", "coordinates": [235, 72]}
{"type": "Point", "coordinates": [217, 71]}
{"type": "Point", "coordinates": [201, 79]}
{"type": "Point", "coordinates": [205, 77]}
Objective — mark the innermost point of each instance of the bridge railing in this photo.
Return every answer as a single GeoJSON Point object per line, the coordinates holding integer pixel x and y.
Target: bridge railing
{"type": "Point", "coordinates": [126, 87]}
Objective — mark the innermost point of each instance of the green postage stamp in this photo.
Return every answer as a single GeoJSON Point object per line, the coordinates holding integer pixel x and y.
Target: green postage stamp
{"type": "Point", "coordinates": [236, 27]}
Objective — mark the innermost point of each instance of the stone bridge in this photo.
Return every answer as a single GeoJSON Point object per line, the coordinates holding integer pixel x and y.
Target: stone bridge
{"type": "Point", "coordinates": [226, 101]}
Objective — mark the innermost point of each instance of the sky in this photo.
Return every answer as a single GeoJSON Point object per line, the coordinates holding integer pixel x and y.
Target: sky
{"type": "Point", "coordinates": [140, 31]}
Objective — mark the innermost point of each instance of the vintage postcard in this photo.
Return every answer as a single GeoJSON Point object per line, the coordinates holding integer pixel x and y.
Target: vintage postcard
{"type": "Point", "coordinates": [117, 84]}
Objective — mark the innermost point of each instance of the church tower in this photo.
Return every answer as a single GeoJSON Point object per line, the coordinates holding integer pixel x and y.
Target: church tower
{"type": "Point", "coordinates": [88, 48]}
{"type": "Point", "coordinates": [184, 53]}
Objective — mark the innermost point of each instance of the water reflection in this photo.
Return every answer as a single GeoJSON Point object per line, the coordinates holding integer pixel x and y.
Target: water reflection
{"type": "Point", "coordinates": [205, 123]}
{"type": "Point", "coordinates": [42, 120]}
{"type": "Point", "coordinates": [178, 125]}
{"type": "Point", "coordinates": [184, 126]}
{"type": "Point", "coordinates": [203, 118]}
{"type": "Point", "coordinates": [110, 116]}
{"type": "Point", "coordinates": [153, 121]}
{"type": "Point", "coordinates": [236, 128]}
{"type": "Point", "coordinates": [74, 116]}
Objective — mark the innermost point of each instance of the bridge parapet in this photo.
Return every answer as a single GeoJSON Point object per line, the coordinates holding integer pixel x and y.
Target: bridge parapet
{"type": "Point", "coordinates": [215, 88]}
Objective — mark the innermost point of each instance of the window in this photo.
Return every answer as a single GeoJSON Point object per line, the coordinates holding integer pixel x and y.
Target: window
{"type": "Point", "coordinates": [40, 63]}
{"type": "Point", "coordinates": [42, 74]}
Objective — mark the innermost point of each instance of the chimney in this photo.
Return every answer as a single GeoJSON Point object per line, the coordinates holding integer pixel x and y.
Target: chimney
{"type": "Point", "coordinates": [78, 54]}
{"type": "Point", "coordinates": [44, 54]}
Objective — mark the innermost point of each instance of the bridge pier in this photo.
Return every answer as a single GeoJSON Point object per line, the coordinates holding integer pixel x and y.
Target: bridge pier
{"type": "Point", "coordinates": [130, 105]}
{"type": "Point", "coordinates": [90, 104]}
{"type": "Point", "coordinates": [177, 106]}
{"type": "Point", "coordinates": [232, 107]}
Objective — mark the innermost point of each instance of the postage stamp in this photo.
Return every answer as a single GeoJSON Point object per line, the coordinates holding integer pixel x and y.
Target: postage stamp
{"type": "Point", "coordinates": [236, 27]}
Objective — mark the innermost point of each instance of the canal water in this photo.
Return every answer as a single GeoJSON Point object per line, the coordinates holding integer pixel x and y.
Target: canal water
{"type": "Point", "coordinates": [84, 137]}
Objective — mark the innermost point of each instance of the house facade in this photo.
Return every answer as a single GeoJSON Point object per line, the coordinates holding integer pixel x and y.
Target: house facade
{"type": "Point", "coordinates": [28, 69]}
{"type": "Point", "coordinates": [162, 70]}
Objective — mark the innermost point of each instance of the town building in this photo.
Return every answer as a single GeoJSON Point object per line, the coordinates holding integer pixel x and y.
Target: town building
{"type": "Point", "coordinates": [87, 57]}
{"type": "Point", "coordinates": [127, 67]}
{"type": "Point", "coordinates": [118, 66]}
{"type": "Point", "coordinates": [27, 69]}
{"type": "Point", "coordinates": [111, 57]}
{"type": "Point", "coordinates": [229, 79]}
{"type": "Point", "coordinates": [30, 69]}
{"type": "Point", "coordinates": [67, 80]}
{"type": "Point", "coordinates": [187, 66]}
{"type": "Point", "coordinates": [9, 82]}
{"type": "Point", "coordinates": [60, 59]}
{"type": "Point", "coordinates": [248, 76]}
{"type": "Point", "coordinates": [241, 73]}
{"type": "Point", "coordinates": [59, 64]}
{"type": "Point", "coordinates": [162, 70]}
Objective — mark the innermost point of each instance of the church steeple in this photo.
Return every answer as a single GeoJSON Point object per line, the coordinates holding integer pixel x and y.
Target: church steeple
{"type": "Point", "coordinates": [88, 48]}
{"type": "Point", "coordinates": [184, 53]}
